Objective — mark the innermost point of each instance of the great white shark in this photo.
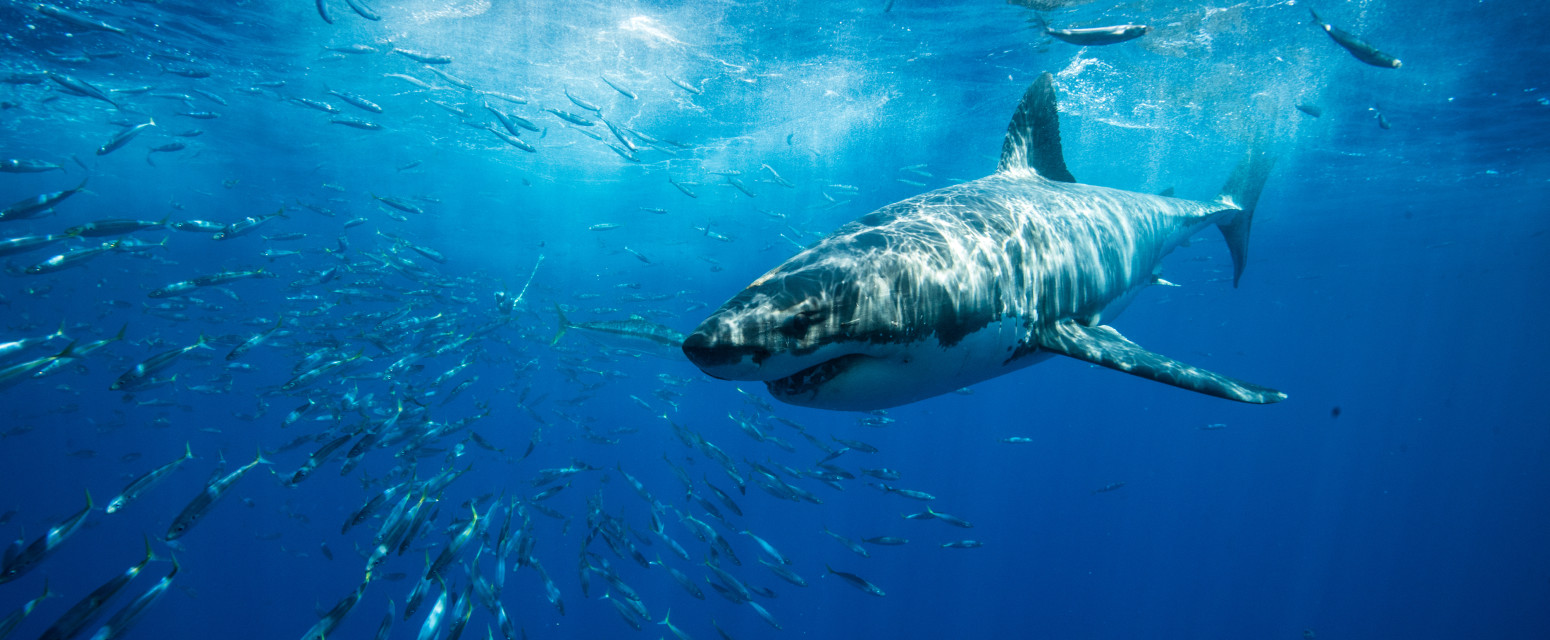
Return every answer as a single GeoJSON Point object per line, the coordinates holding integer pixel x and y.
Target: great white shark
{"type": "Point", "coordinates": [969, 282]}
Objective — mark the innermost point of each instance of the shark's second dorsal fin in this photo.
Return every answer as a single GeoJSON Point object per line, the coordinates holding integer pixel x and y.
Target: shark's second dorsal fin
{"type": "Point", "coordinates": [1033, 137]}
{"type": "Point", "coordinates": [1104, 346]}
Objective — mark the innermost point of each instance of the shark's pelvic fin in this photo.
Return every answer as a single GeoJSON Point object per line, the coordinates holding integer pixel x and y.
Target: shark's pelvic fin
{"type": "Point", "coordinates": [1242, 191]}
{"type": "Point", "coordinates": [1033, 137]}
{"type": "Point", "coordinates": [1104, 346]}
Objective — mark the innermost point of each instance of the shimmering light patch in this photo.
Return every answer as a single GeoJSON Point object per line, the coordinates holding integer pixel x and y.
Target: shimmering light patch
{"type": "Point", "coordinates": [455, 9]}
{"type": "Point", "coordinates": [649, 27]}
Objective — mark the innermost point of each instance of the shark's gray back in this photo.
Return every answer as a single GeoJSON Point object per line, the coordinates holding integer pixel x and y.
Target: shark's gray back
{"type": "Point", "coordinates": [1009, 245]}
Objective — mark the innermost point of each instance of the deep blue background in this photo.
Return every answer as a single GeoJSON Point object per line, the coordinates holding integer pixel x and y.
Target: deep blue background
{"type": "Point", "coordinates": [1396, 274]}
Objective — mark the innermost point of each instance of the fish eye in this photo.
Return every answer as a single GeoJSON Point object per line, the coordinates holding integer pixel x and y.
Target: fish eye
{"type": "Point", "coordinates": [797, 325]}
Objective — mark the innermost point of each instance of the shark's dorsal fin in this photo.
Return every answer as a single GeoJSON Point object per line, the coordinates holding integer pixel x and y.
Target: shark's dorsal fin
{"type": "Point", "coordinates": [1103, 345]}
{"type": "Point", "coordinates": [1033, 137]}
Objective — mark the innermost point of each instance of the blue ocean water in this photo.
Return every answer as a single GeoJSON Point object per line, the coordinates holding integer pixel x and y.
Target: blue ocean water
{"type": "Point", "coordinates": [1393, 290]}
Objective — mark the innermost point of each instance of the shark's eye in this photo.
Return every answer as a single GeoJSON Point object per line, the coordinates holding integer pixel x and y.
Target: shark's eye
{"type": "Point", "coordinates": [797, 325]}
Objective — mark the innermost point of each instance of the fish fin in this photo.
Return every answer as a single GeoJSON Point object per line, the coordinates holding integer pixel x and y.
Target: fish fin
{"type": "Point", "coordinates": [188, 451]}
{"type": "Point", "coordinates": [1242, 192]}
{"type": "Point", "coordinates": [1102, 345]}
{"type": "Point", "coordinates": [564, 326]}
{"type": "Point", "coordinates": [68, 351]}
{"type": "Point", "coordinates": [1033, 137]}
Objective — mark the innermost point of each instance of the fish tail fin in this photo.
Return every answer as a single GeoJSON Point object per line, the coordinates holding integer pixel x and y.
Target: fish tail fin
{"type": "Point", "coordinates": [60, 332]}
{"type": "Point", "coordinates": [150, 554]}
{"type": "Point", "coordinates": [47, 592]}
{"type": "Point", "coordinates": [68, 351]}
{"type": "Point", "coordinates": [260, 459]}
{"type": "Point", "coordinates": [1242, 193]}
{"type": "Point", "coordinates": [120, 335]}
{"type": "Point", "coordinates": [89, 503]}
{"type": "Point", "coordinates": [188, 451]}
{"type": "Point", "coordinates": [564, 325]}
{"type": "Point", "coordinates": [667, 619]}
{"type": "Point", "coordinates": [203, 342]}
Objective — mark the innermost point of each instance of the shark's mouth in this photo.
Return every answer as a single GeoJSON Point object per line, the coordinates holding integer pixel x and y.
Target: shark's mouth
{"type": "Point", "coordinates": [809, 380]}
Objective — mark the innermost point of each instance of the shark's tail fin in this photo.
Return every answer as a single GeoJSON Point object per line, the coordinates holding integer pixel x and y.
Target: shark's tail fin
{"type": "Point", "coordinates": [1242, 192]}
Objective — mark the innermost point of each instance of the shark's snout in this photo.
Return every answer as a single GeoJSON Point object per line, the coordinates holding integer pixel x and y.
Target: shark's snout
{"type": "Point", "coordinates": [713, 348]}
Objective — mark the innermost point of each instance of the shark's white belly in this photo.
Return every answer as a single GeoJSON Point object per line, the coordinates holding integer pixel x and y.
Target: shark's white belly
{"type": "Point", "coordinates": [915, 371]}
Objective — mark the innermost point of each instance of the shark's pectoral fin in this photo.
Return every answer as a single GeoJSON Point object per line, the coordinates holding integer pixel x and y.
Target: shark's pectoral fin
{"type": "Point", "coordinates": [1104, 346]}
